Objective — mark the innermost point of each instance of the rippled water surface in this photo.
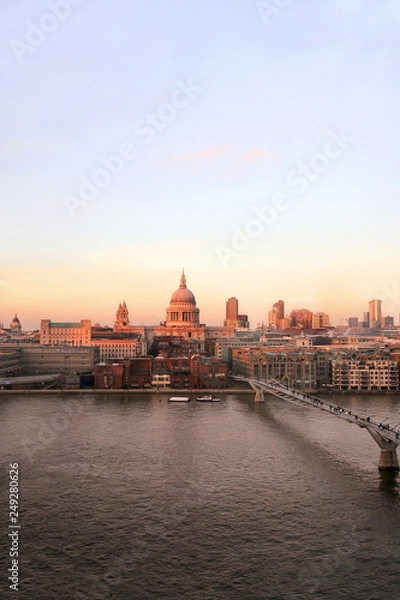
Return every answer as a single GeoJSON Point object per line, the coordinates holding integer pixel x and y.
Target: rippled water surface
{"type": "Point", "coordinates": [132, 497]}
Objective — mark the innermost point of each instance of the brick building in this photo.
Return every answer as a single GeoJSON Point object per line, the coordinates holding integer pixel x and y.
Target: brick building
{"type": "Point", "coordinates": [363, 373]}
{"type": "Point", "coordinates": [146, 372]}
{"type": "Point", "coordinates": [109, 376]}
{"type": "Point", "coordinates": [296, 369]}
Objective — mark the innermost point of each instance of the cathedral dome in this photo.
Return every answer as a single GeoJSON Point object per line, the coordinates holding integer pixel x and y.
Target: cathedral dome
{"type": "Point", "coordinates": [15, 324]}
{"type": "Point", "coordinates": [182, 294]}
{"type": "Point", "coordinates": [182, 309]}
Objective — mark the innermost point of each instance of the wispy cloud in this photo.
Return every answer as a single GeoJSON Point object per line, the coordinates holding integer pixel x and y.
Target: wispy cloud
{"type": "Point", "coordinates": [244, 161]}
{"type": "Point", "coordinates": [256, 154]}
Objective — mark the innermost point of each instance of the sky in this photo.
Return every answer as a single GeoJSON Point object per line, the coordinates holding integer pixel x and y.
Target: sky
{"type": "Point", "coordinates": [254, 143]}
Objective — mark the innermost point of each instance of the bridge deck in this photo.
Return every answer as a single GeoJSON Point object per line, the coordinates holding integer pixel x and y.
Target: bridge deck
{"type": "Point", "coordinates": [384, 431]}
{"type": "Point", "coordinates": [24, 379]}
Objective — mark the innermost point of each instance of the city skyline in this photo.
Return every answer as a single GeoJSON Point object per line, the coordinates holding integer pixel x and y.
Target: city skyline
{"type": "Point", "coordinates": [134, 311]}
{"type": "Point", "coordinates": [256, 147]}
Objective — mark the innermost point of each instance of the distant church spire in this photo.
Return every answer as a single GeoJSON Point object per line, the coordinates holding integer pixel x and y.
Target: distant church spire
{"type": "Point", "coordinates": [122, 318]}
{"type": "Point", "coordinates": [183, 279]}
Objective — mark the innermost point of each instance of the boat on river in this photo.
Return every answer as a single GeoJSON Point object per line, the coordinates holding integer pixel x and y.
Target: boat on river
{"type": "Point", "coordinates": [179, 399]}
{"type": "Point", "coordinates": [207, 398]}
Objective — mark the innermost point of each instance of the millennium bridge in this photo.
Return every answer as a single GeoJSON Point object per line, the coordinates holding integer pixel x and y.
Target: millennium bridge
{"type": "Point", "coordinates": [385, 436]}
{"type": "Point", "coordinates": [45, 381]}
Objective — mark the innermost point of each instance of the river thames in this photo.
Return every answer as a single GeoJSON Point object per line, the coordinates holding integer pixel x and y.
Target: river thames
{"type": "Point", "coordinates": [132, 497]}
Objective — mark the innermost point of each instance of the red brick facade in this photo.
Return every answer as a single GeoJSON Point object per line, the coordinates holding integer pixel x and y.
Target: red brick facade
{"type": "Point", "coordinates": [197, 372]}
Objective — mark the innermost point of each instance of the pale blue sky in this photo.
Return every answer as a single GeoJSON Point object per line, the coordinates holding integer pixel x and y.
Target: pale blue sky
{"type": "Point", "coordinates": [272, 92]}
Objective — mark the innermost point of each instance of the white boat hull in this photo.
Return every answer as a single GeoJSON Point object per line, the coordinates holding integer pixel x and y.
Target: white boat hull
{"type": "Point", "coordinates": [179, 399]}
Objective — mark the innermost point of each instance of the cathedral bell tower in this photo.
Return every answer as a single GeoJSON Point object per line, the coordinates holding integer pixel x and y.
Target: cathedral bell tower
{"type": "Point", "coordinates": [122, 318]}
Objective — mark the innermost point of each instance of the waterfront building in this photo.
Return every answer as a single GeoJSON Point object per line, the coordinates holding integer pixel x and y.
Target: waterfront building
{"type": "Point", "coordinates": [161, 377]}
{"type": "Point", "coordinates": [161, 381]}
{"type": "Point", "coordinates": [34, 359]}
{"type": "Point", "coordinates": [109, 376]}
{"type": "Point", "coordinates": [364, 373]}
{"type": "Point", "coordinates": [147, 372]}
{"type": "Point", "coordinates": [180, 372]}
{"type": "Point", "coordinates": [63, 359]}
{"type": "Point", "coordinates": [10, 361]}
{"type": "Point", "coordinates": [292, 369]}
{"type": "Point", "coordinates": [324, 367]}
{"type": "Point", "coordinates": [138, 372]}
{"type": "Point", "coordinates": [208, 373]}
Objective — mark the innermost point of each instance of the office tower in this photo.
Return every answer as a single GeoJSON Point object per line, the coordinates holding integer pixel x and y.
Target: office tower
{"type": "Point", "coordinates": [277, 314]}
{"type": "Point", "coordinates": [375, 314]}
{"type": "Point", "coordinates": [388, 321]}
{"type": "Point", "coordinates": [365, 321]}
{"type": "Point", "coordinates": [320, 320]}
{"type": "Point", "coordinates": [301, 318]}
{"type": "Point", "coordinates": [232, 313]}
{"type": "Point", "coordinates": [232, 317]}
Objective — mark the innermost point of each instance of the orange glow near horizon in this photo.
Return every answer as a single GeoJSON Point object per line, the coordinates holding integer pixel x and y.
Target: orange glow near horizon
{"type": "Point", "coordinates": [75, 294]}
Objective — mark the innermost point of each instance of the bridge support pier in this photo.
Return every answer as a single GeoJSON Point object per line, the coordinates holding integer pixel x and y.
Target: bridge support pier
{"type": "Point", "coordinates": [259, 397]}
{"type": "Point", "coordinates": [388, 460]}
